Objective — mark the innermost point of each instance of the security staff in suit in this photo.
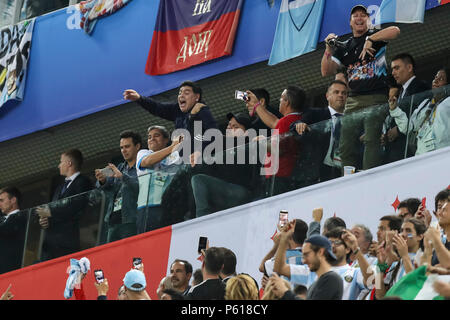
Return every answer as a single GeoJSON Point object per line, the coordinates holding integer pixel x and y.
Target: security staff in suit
{"type": "Point", "coordinates": [60, 218]}
{"type": "Point", "coordinates": [323, 137]}
{"type": "Point", "coordinates": [13, 224]}
{"type": "Point", "coordinates": [403, 71]}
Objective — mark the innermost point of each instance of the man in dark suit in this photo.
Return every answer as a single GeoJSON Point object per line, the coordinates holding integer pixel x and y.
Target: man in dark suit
{"type": "Point", "coordinates": [60, 218]}
{"type": "Point", "coordinates": [323, 137]}
{"type": "Point", "coordinates": [403, 71]}
{"type": "Point", "coordinates": [212, 287]}
{"type": "Point", "coordinates": [13, 224]}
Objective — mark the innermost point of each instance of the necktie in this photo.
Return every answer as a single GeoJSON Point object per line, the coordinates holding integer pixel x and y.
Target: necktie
{"type": "Point", "coordinates": [336, 133]}
{"type": "Point", "coordinates": [64, 188]}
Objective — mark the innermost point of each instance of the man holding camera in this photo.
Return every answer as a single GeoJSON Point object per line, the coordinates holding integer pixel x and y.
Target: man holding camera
{"type": "Point", "coordinates": [363, 55]}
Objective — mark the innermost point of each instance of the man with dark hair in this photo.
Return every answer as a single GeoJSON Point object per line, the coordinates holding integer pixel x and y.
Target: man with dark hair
{"type": "Point", "coordinates": [122, 189]}
{"type": "Point", "coordinates": [281, 164]}
{"type": "Point", "coordinates": [403, 68]}
{"type": "Point", "coordinates": [212, 287]}
{"type": "Point", "coordinates": [229, 264]}
{"type": "Point", "coordinates": [388, 223]}
{"type": "Point", "coordinates": [407, 208]}
{"type": "Point", "coordinates": [324, 137]}
{"type": "Point", "coordinates": [60, 218]}
{"type": "Point", "coordinates": [263, 97]}
{"type": "Point", "coordinates": [364, 50]}
{"type": "Point", "coordinates": [330, 223]}
{"type": "Point", "coordinates": [12, 229]}
{"type": "Point", "coordinates": [180, 275]}
{"type": "Point", "coordinates": [293, 251]}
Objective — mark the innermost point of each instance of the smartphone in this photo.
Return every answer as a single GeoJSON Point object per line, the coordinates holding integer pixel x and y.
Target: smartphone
{"type": "Point", "coordinates": [137, 263]}
{"type": "Point", "coordinates": [202, 244]}
{"type": "Point", "coordinates": [107, 171]}
{"type": "Point", "coordinates": [283, 218]}
{"type": "Point", "coordinates": [241, 95]}
{"type": "Point", "coordinates": [424, 200]}
{"type": "Point", "coordinates": [99, 277]}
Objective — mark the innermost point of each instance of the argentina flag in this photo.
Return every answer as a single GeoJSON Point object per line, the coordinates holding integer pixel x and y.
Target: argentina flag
{"type": "Point", "coordinates": [298, 29]}
{"type": "Point", "coordinates": [401, 11]}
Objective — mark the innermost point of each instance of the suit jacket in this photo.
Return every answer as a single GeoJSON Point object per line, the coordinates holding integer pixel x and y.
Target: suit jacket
{"type": "Point", "coordinates": [12, 240]}
{"type": "Point", "coordinates": [314, 146]}
{"type": "Point", "coordinates": [395, 150]}
{"type": "Point", "coordinates": [63, 235]}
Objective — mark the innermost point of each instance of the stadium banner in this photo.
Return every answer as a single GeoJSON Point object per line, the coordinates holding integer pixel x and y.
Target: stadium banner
{"type": "Point", "coordinates": [361, 198]}
{"type": "Point", "coordinates": [15, 45]}
{"type": "Point", "coordinates": [190, 32]}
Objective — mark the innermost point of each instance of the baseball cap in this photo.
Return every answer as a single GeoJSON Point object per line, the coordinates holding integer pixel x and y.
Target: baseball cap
{"type": "Point", "coordinates": [322, 242]}
{"type": "Point", "coordinates": [359, 7]}
{"type": "Point", "coordinates": [135, 280]}
{"type": "Point", "coordinates": [241, 118]}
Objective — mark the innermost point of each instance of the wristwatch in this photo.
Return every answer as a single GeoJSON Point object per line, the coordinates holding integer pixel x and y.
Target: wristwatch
{"type": "Point", "coordinates": [368, 39]}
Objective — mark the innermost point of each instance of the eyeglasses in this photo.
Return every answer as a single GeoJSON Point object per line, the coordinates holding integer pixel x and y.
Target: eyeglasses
{"type": "Point", "coordinates": [337, 242]}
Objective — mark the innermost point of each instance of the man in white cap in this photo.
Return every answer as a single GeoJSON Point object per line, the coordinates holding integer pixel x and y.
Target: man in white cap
{"type": "Point", "coordinates": [135, 285]}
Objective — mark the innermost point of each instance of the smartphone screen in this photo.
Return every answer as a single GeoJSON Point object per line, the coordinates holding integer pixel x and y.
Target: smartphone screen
{"type": "Point", "coordinates": [137, 262]}
{"type": "Point", "coordinates": [240, 95]}
{"type": "Point", "coordinates": [99, 277]}
{"type": "Point", "coordinates": [202, 244]}
{"type": "Point", "coordinates": [283, 218]}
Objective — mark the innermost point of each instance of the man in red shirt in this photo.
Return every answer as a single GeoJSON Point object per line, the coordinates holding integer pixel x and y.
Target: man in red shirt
{"type": "Point", "coordinates": [280, 164]}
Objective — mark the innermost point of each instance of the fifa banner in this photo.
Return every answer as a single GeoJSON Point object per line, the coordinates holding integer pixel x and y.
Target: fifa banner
{"type": "Point", "coordinates": [190, 32]}
{"type": "Point", "coordinates": [92, 10]}
{"type": "Point", "coordinates": [15, 44]}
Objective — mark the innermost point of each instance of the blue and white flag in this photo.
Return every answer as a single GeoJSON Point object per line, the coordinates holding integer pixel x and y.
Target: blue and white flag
{"type": "Point", "coordinates": [401, 11]}
{"type": "Point", "coordinates": [298, 29]}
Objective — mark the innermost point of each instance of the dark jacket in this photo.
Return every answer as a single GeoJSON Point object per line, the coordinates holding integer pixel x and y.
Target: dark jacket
{"type": "Point", "coordinates": [211, 289]}
{"type": "Point", "coordinates": [12, 240]}
{"type": "Point", "coordinates": [63, 234]}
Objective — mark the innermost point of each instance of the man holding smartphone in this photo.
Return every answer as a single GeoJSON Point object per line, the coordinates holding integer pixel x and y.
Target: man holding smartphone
{"type": "Point", "coordinates": [122, 190]}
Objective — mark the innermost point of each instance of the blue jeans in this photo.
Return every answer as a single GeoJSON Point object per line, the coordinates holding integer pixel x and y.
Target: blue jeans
{"type": "Point", "coordinates": [212, 194]}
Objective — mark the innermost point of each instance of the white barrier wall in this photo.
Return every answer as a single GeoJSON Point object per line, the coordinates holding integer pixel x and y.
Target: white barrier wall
{"type": "Point", "coordinates": [360, 198]}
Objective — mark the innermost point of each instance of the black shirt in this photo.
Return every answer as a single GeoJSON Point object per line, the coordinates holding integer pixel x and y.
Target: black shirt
{"type": "Point", "coordinates": [366, 76]}
{"type": "Point", "coordinates": [210, 289]}
{"type": "Point", "coordinates": [328, 287]}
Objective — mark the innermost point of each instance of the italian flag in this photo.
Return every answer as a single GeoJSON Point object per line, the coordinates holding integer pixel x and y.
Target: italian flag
{"type": "Point", "coordinates": [417, 286]}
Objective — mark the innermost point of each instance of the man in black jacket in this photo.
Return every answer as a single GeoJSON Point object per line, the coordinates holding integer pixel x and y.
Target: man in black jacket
{"type": "Point", "coordinates": [13, 224]}
{"type": "Point", "coordinates": [60, 218]}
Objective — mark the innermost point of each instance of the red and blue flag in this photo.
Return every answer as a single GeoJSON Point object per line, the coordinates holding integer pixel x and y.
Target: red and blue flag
{"type": "Point", "coordinates": [190, 32]}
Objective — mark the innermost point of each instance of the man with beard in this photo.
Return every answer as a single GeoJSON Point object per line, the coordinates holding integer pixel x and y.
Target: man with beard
{"type": "Point", "coordinates": [180, 275]}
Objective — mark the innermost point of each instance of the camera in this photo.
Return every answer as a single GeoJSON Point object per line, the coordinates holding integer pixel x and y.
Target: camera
{"type": "Point", "coordinates": [107, 171]}
{"type": "Point", "coordinates": [241, 95]}
{"type": "Point", "coordinates": [335, 43]}
{"type": "Point", "coordinates": [137, 263]}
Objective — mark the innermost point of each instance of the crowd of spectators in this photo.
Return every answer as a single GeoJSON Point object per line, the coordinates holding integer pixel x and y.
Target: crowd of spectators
{"type": "Point", "coordinates": [371, 119]}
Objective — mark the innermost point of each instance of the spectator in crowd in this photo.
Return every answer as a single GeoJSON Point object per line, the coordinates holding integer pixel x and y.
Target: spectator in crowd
{"type": "Point", "coordinates": [326, 140]}
{"type": "Point", "coordinates": [122, 189]}
{"type": "Point", "coordinates": [135, 285]}
{"type": "Point", "coordinates": [428, 126]}
{"type": "Point", "coordinates": [188, 109]}
{"type": "Point", "coordinates": [318, 257]}
{"type": "Point", "coordinates": [270, 290]}
{"type": "Point", "coordinates": [300, 291]}
{"type": "Point", "coordinates": [241, 287]}
{"type": "Point", "coordinates": [366, 48]}
{"type": "Point", "coordinates": [388, 223]}
{"type": "Point", "coordinates": [229, 265]}
{"type": "Point", "coordinates": [160, 155]}
{"type": "Point", "coordinates": [389, 135]}
{"type": "Point", "coordinates": [441, 241]}
{"type": "Point", "coordinates": [293, 252]}
{"type": "Point", "coordinates": [197, 277]}
{"type": "Point", "coordinates": [281, 164]}
{"type": "Point", "coordinates": [60, 219]}
{"type": "Point", "coordinates": [165, 283]}
{"type": "Point", "coordinates": [330, 223]}
{"type": "Point", "coordinates": [403, 68]}
{"type": "Point", "coordinates": [364, 238]}
{"type": "Point", "coordinates": [212, 287]}
{"type": "Point", "coordinates": [171, 294]}
{"type": "Point", "coordinates": [180, 275]}
{"type": "Point", "coordinates": [13, 225]}
{"type": "Point", "coordinates": [223, 184]}
{"type": "Point", "coordinates": [407, 208]}
{"type": "Point", "coordinates": [264, 98]}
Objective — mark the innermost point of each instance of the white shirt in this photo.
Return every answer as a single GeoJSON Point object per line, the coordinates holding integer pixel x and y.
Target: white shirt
{"type": "Point", "coordinates": [172, 159]}
{"type": "Point", "coordinates": [72, 177]}
{"type": "Point", "coordinates": [406, 85]}
{"type": "Point", "coordinates": [11, 213]}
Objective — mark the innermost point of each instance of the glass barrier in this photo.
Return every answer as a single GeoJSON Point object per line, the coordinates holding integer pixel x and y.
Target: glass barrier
{"type": "Point", "coordinates": [33, 8]}
{"type": "Point", "coordinates": [6, 12]}
{"type": "Point", "coordinates": [239, 172]}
